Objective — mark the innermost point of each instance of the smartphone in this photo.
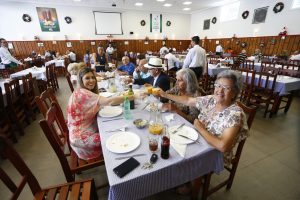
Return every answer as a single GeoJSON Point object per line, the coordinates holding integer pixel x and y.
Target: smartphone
{"type": "Point", "coordinates": [126, 167]}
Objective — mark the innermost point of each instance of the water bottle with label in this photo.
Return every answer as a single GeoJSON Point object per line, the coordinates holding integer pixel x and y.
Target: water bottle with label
{"type": "Point", "coordinates": [127, 113]}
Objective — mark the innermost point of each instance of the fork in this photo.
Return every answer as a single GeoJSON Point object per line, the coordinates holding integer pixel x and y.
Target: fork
{"type": "Point", "coordinates": [123, 129]}
{"type": "Point", "coordinates": [175, 131]}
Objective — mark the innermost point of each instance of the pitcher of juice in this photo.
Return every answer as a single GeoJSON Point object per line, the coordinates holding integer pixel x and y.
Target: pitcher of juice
{"type": "Point", "coordinates": [156, 124]}
{"type": "Point", "coordinates": [112, 85]}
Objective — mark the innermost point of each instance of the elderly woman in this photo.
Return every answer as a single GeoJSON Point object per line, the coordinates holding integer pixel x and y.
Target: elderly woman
{"type": "Point", "coordinates": [221, 122]}
{"type": "Point", "coordinates": [83, 106]}
{"type": "Point", "coordinates": [100, 59]}
{"type": "Point", "coordinates": [186, 85]}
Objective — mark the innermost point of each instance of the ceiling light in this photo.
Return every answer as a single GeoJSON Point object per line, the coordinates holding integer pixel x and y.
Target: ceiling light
{"type": "Point", "coordinates": [77, 0]}
{"type": "Point", "coordinates": [138, 4]}
{"type": "Point", "coordinates": [187, 3]}
{"type": "Point", "coordinates": [186, 9]}
{"type": "Point", "coordinates": [160, 0]}
{"type": "Point", "coordinates": [167, 5]}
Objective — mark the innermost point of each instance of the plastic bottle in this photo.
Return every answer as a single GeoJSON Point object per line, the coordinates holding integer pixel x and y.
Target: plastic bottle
{"type": "Point", "coordinates": [131, 93]}
{"type": "Point", "coordinates": [127, 113]}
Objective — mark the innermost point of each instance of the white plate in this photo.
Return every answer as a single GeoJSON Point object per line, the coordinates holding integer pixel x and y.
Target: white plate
{"type": "Point", "coordinates": [110, 111]}
{"type": "Point", "coordinates": [186, 131]}
{"type": "Point", "coordinates": [123, 142]}
{"type": "Point", "coordinates": [106, 94]}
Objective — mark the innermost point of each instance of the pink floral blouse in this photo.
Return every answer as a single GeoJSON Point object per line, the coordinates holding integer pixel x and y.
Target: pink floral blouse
{"type": "Point", "coordinates": [216, 122]}
{"type": "Point", "coordinates": [84, 135]}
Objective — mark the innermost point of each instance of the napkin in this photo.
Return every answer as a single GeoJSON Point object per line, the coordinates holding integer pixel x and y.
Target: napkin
{"type": "Point", "coordinates": [180, 148]}
{"type": "Point", "coordinates": [169, 117]}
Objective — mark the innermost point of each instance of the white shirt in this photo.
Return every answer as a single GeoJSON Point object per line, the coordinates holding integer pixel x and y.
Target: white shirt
{"type": "Point", "coordinates": [295, 57]}
{"type": "Point", "coordinates": [72, 56]}
{"type": "Point", "coordinates": [110, 50]}
{"type": "Point", "coordinates": [196, 57]}
{"type": "Point", "coordinates": [6, 57]}
{"type": "Point", "coordinates": [171, 60]}
{"type": "Point", "coordinates": [163, 49]}
{"type": "Point", "coordinates": [219, 48]}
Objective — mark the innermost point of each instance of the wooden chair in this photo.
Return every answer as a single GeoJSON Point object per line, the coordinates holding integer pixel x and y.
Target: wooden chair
{"type": "Point", "coordinates": [29, 94]}
{"type": "Point", "coordinates": [74, 164]}
{"type": "Point", "coordinates": [263, 92]}
{"type": "Point", "coordinates": [69, 81]}
{"type": "Point", "coordinates": [51, 77]}
{"type": "Point", "coordinates": [248, 64]}
{"type": "Point", "coordinates": [206, 83]}
{"type": "Point", "coordinates": [295, 62]}
{"type": "Point", "coordinates": [207, 190]}
{"type": "Point", "coordinates": [6, 127]}
{"type": "Point", "coordinates": [44, 100]}
{"type": "Point", "coordinates": [84, 189]}
{"type": "Point", "coordinates": [15, 104]}
{"type": "Point", "coordinates": [248, 84]}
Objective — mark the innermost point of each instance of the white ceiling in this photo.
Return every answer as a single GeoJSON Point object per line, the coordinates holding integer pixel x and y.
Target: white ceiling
{"type": "Point", "coordinates": [148, 5]}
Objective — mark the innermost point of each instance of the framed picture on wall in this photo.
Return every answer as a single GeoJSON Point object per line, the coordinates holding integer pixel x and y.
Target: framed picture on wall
{"type": "Point", "coordinates": [206, 24]}
{"type": "Point", "coordinates": [69, 44]}
{"type": "Point", "coordinates": [260, 15]}
{"type": "Point", "coordinates": [48, 19]}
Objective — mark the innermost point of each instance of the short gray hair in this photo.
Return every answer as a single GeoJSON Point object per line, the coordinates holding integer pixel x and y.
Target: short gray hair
{"type": "Point", "coordinates": [190, 79]}
{"type": "Point", "coordinates": [235, 77]}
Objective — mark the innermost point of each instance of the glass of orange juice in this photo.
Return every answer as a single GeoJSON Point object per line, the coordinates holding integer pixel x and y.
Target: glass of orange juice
{"type": "Point", "coordinates": [149, 89]}
{"type": "Point", "coordinates": [155, 91]}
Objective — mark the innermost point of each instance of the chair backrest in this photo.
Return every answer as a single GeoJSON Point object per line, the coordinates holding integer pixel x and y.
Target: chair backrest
{"type": "Point", "coordinates": [69, 82]}
{"type": "Point", "coordinates": [7, 151]}
{"type": "Point", "coordinates": [249, 111]}
{"type": "Point", "coordinates": [289, 72]}
{"type": "Point", "coordinates": [248, 64]}
{"type": "Point", "coordinates": [295, 62]}
{"type": "Point", "coordinates": [44, 100]}
{"type": "Point", "coordinates": [28, 86]}
{"type": "Point", "coordinates": [13, 93]}
{"type": "Point", "coordinates": [266, 81]}
{"type": "Point", "coordinates": [55, 129]}
{"type": "Point", "coordinates": [269, 67]}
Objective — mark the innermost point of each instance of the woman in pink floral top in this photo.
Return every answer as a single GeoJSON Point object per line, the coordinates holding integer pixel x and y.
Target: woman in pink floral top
{"type": "Point", "coordinates": [83, 106]}
{"type": "Point", "coordinates": [221, 122]}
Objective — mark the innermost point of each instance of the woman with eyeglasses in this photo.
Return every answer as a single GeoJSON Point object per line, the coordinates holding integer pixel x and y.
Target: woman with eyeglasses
{"type": "Point", "coordinates": [221, 122]}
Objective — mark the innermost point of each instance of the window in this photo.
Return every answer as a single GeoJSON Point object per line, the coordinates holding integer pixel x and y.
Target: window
{"type": "Point", "coordinates": [230, 12]}
{"type": "Point", "coordinates": [296, 4]}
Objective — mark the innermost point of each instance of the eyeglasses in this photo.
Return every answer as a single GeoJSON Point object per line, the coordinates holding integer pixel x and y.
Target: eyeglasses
{"type": "Point", "coordinates": [225, 87]}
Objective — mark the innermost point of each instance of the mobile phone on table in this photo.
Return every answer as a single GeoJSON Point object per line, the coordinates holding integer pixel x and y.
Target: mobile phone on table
{"type": "Point", "coordinates": [126, 167]}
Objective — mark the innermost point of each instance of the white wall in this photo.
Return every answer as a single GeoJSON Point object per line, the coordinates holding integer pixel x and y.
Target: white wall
{"type": "Point", "coordinates": [243, 27]}
{"type": "Point", "coordinates": [13, 28]}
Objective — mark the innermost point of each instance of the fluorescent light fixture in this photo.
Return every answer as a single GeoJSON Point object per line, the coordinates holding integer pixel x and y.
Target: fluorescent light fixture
{"type": "Point", "coordinates": [77, 0]}
{"type": "Point", "coordinates": [167, 5]}
{"type": "Point", "coordinates": [221, 3]}
{"type": "Point", "coordinates": [138, 4]}
{"type": "Point", "coordinates": [187, 3]}
{"type": "Point", "coordinates": [186, 9]}
{"type": "Point", "coordinates": [160, 0]}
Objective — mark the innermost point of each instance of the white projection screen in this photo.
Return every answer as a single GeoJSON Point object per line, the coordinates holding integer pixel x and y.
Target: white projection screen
{"type": "Point", "coordinates": [107, 23]}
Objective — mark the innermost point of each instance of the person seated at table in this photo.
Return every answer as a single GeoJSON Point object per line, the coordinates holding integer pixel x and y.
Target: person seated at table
{"type": "Point", "coordinates": [141, 72]}
{"type": "Point", "coordinates": [71, 55]}
{"type": "Point", "coordinates": [83, 107]}
{"type": "Point", "coordinates": [242, 56]}
{"type": "Point", "coordinates": [219, 50]}
{"type": "Point", "coordinates": [127, 68]}
{"type": "Point", "coordinates": [139, 57]}
{"type": "Point", "coordinates": [163, 50]}
{"type": "Point", "coordinates": [295, 56]}
{"type": "Point", "coordinates": [47, 54]}
{"type": "Point", "coordinates": [229, 51]}
{"type": "Point", "coordinates": [157, 78]}
{"type": "Point", "coordinates": [100, 60]}
{"type": "Point", "coordinates": [258, 54]}
{"type": "Point", "coordinates": [6, 58]}
{"type": "Point", "coordinates": [221, 122]}
{"type": "Point", "coordinates": [186, 85]}
{"type": "Point", "coordinates": [74, 68]}
{"type": "Point", "coordinates": [172, 61]}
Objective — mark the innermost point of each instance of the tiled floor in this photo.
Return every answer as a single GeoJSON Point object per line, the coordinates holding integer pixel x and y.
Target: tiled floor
{"type": "Point", "coordinates": [269, 168]}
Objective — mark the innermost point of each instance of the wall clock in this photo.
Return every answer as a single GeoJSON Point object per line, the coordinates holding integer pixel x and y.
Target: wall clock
{"type": "Point", "coordinates": [68, 20]}
{"type": "Point", "coordinates": [245, 14]}
{"type": "Point", "coordinates": [26, 18]}
{"type": "Point", "coordinates": [214, 20]}
{"type": "Point", "coordinates": [168, 23]}
{"type": "Point", "coordinates": [143, 23]}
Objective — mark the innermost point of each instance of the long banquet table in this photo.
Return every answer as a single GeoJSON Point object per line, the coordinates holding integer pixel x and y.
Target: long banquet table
{"type": "Point", "coordinates": [37, 72]}
{"type": "Point", "coordinates": [199, 160]}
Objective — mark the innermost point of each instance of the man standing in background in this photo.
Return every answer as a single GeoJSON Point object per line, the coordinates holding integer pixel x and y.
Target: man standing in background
{"type": "Point", "coordinates": [196, 58]}
{"type": "Point", "coordinates": [6, 58]}
{"type": "Point", "coordinates": [219, 50]}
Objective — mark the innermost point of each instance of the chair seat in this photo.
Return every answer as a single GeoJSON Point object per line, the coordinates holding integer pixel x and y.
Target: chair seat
{"type": "Point", "coordinates": [74, 190]}
{"type": "Point", "coordinates": [78, 165]}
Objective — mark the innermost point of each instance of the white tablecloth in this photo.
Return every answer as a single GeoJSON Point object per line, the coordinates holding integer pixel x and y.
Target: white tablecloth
{"type": "Point", "coordinates": [199, 160]}
{"type": "Point", "coordinates": [2, 81]}
{"type": "Point", "coordinates": [213, 70]}
{"type": "Point", "coordinates": [38, 72]}
{"type": "Point", "coordinates": [58, 63]}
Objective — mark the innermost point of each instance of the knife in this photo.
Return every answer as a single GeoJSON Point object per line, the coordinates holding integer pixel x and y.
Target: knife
{"type": "Point", "coordinates": [189, 138]}
{"type": "Point", "coordinates": [108, 120]}
{"type": "Point", "coordinates": [124, 157]}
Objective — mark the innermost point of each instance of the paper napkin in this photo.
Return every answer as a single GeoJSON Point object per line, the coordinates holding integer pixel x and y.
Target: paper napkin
{"type": "Point", "coordinates": [180, 148]}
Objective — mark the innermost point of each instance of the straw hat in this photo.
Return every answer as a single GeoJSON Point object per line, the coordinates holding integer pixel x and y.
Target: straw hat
{"type": "Point", "coordinates": [154, 63]}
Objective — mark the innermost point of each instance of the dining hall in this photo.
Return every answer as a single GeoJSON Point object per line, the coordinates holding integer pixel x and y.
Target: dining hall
{"type": "Point", "coordinates": [150, 99]}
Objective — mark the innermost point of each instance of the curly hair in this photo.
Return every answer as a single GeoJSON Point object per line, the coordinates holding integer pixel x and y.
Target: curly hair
{"type": "Point", "coordinates": [236, 79]}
